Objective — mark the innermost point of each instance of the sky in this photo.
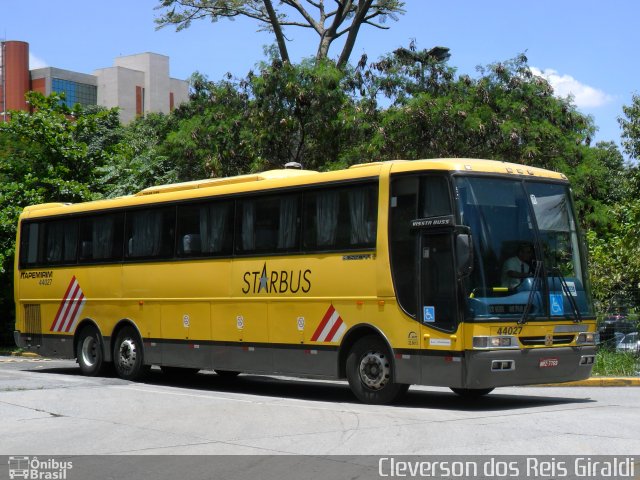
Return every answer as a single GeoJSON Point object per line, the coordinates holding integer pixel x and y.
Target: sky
{"type": "Point", "coordinates": [587, 48]}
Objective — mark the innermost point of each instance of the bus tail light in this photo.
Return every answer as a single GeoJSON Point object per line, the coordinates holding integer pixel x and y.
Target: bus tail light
{"type": "Point", "coordinates": [588, 338]}
{"type": "Point", "coordinates": [491, 342]}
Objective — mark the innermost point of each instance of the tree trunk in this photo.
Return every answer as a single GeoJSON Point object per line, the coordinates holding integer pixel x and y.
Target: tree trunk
{"type": "Point", "coordinates": [277, 30]}
{"type": "Point", "coordinates": [358, 18]}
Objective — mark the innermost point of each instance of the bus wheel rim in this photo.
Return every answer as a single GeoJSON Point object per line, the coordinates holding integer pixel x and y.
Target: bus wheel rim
{"type": "Point", "coordinates": [128, 354]}
{"type": "Point", "coordinates": [89, 351]}
{"type": "Point", "coordinates": [374, 370]}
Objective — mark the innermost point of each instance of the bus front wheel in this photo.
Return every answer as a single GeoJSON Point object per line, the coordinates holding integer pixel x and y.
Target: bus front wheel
{"type": "Point", "coordinates": [89, 352]}
{"type": "Point", "coordinates": [128, 355]}
{"type": "Point", "coordinates": [370, 372]}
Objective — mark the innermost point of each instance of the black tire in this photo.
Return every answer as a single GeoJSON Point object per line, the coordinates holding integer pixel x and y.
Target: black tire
{"type": "Point", "coordinates": [179, 372]}
{"type": "Point", "coordinates": [227, 374]}
{"type": "Point", "coordinates": [370, 372]}
{"type": "Point", "coordinates": [90, 352]}
{"type": "Point", "coordinates": [128, 355]}
{"type": "Point", "coordinates": [472, 393]}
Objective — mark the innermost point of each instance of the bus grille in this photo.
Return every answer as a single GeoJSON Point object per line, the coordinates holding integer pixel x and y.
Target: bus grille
{"type": "Point", "coordinates": [33, 324]}
{"type": "Point", "coordinates": [541, 341]}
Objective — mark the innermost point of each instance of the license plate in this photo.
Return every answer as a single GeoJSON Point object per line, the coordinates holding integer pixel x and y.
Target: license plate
{"type": "Point", "coordinates": [548, 362]}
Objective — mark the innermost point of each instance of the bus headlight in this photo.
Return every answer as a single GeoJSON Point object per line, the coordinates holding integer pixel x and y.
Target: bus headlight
{"type": "Point", "coordinates": [490, 342]}
{"type": "Point", "coordinates": [588, 338]}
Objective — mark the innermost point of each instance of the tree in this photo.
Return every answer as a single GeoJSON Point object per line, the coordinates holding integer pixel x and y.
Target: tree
{"type": "Point", "coordinates": [614, 261]}
{"type": "Point", "coordinates": [295, 113]}
{"type": "Point", "coordinates": [630, 125]}
{"type": "Point", "coordinates": [138, 162]}
{"type": "Point", "coordinates": [345, 19]}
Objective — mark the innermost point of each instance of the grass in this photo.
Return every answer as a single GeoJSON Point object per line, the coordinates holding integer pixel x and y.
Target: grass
{"type": "Point", "coordinates": [9, 350]}
{"type": "Point", "coordinates": [610, 363]}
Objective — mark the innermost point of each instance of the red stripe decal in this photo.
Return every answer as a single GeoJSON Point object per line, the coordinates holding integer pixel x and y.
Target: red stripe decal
{"type": "Point", "coordinates": [67, 310]}
{"type": "Point", "coordinates": [75, 311]}
{"type": "Point", "coordinates": [323, 323]}
{"type": "Point", "coordinates": [334, 329]}
{"type": "Point", "coordinates": [62, 304]}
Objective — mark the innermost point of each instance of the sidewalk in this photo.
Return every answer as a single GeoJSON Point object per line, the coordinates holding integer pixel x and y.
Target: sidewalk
{"type": "Point", "coordinates": [602, 382]}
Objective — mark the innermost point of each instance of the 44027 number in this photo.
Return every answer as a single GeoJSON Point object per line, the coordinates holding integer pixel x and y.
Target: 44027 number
{"type": "Point", "coordinates": [509, 331]}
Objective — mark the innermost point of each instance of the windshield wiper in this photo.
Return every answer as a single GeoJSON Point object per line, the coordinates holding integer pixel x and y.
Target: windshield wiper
{"type": "Point", "coordinates": [532, 292]}
{"type": "Point", "coordinates": [577, 318]}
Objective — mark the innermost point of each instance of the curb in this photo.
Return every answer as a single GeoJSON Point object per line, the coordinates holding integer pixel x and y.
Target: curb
{"type": "Point", "coordinates": [601, 382]}
{"type": "Point", "coordinates": [25, 354]}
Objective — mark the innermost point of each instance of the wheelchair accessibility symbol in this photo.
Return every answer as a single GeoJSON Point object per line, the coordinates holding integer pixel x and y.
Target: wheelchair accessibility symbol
{"type": "Point", "coordinates": [429, 314]}
{"type": "Point", "coordinates": [557, 304]}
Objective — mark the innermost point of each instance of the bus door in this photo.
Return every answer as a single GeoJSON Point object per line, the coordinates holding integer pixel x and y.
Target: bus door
{"type": "Point", "coordinates": [444, 257]}
{"type": "Point", "coordinates": [437, 307]}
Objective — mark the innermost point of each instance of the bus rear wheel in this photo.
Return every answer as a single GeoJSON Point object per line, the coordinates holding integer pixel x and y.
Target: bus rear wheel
{"type": "Point", "coordinates": [90, 353]}
{"type": "Point", "coordinates": [370, 372]}
{"type": "Point", "coordinates": [128, 355]}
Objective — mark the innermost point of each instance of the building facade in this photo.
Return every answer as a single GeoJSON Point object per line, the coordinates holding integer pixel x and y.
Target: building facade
{"type": "Point", "coordinates": [136, 84]}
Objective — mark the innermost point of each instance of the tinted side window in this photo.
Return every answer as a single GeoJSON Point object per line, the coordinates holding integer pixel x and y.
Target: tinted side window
{"type": "Point", "coordinates": [60, 242]}
{"type": "Point", "coordinates": [404, 203]}
{"type": "Point", "coordinates": [436, 200]}
{"type": "Point", "coordinates": [101, 238]}
{"type": "Point", "coordinates": [205, 229]}
{"type": "Point", "coordinates": [341, 218]}
{"type": "Point", "coordinates": [30, 245]}
{"type": "Point", "coordinates": [269, 224]}
{"type": "Point", "coordinates": [150, 233]}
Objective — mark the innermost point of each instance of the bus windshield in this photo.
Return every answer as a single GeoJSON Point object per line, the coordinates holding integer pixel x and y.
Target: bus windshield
{"type": "Point", "coordinates": [529, 261]}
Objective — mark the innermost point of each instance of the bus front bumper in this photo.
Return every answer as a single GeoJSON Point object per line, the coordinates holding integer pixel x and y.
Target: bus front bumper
{"type": "Point", "coordinates": [496, 368]}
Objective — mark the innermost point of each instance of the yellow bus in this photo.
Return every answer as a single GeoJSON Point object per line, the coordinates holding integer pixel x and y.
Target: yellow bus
{"type": "Point", "coordinates": [387, 274]}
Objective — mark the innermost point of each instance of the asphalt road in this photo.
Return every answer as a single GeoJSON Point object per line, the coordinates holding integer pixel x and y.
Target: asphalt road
{"type": "Point", "coordinates": [48, 408]}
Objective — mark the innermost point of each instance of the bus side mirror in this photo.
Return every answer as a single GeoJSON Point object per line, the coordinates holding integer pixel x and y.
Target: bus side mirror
{"type": "Point", "coordinates": [464, 254]}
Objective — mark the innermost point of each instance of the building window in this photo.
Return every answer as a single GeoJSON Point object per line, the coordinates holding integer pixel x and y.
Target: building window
{"type": "Point", "coordinates": [140, 107]}
{"type": "Point", "coordinates": [75, 92]}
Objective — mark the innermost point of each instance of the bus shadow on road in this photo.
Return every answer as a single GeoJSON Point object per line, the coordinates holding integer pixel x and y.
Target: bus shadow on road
{"type": "Point", "coordinates": [339, 392]}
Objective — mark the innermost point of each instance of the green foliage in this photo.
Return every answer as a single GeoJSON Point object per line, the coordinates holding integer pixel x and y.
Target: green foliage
{"type": "Point", "coordinates": [507, 113]}
{"type": "Point", "coordinates": [295, 113]}
{"type": "Point", "coordinates": [615, 364]}
{"type": "Point", "coordinates": [630, 125]}
{"type": "Point", "coordinates": [614, 259]}
{"type": "Point", "coordinates": [212, 134]}
{"type": "Point", "coordinates": [137, 162]}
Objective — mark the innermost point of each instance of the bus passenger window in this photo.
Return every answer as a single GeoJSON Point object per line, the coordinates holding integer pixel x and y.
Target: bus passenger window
{"type": "Point", "coordinates": [61, 241]}
{"type": "Point", "coordinates": [205, 229]}
{"type": "Point", "coordinates": [341, 218]}
{"type": "Point", "coordinates": [150, 233]}
{"type": "Point", "coordinates": [101, 237]}
{"type": "Point", "coordinates": [269, 224]}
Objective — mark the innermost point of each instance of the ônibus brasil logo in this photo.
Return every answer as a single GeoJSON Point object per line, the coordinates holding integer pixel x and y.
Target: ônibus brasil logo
{"type": "Point", "coordinates": [33, 468]}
